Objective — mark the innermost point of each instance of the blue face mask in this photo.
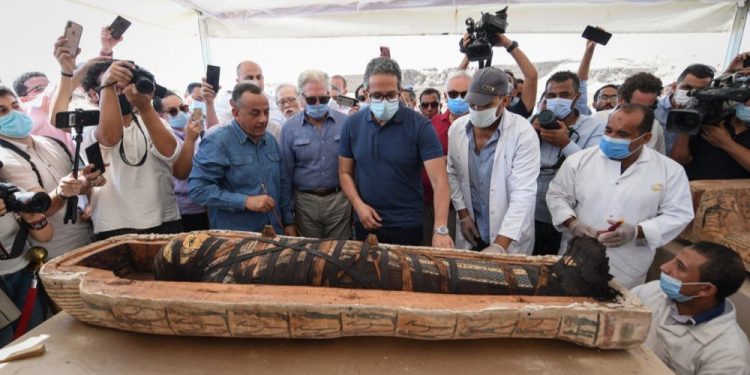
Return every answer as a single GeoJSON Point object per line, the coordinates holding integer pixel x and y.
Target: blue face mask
{"type": "Point", "coordinates": [384, 110]}
{"type": "Point", "coordinates": [742, 112]}
{"type": "Point", "coordinates": [615, 148]}
{"type": "Point", "coordinates": [560, 107]}
{"type": "Point", "coordinates": [197, 104]}
{"type": "Point", "coordinates": [15, 124]}
{"type": "Point", "coordinates": [458, 106]}
{"type": "Point", "coordinates": [363, 105]}
{"type": "Point", "coordinates": [671, 287]}
{"type": "Point", "coordinates": [316, 111]}
{"type": "Point", "coordinates": [179, 121]}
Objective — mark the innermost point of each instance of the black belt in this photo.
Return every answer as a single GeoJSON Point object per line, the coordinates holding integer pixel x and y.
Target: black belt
{"type": "Point", "coordinates": [322, 192]}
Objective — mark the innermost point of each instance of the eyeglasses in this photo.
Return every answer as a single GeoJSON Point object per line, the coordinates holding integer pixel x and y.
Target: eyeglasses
{"type": "Point", "coordinates": [433, 105]}
{"type": "Point", "coordinates": [174, 111]}
{"type": "Point", "coordinates": [290, 100]}
{"type": "Point", "coordinates": [453, 94]}
{"type": "Point", "coordinates": [361, 98]}
{"type": "Point", "coordinates": [35, 90]}
{"type": "Point", "coordinates": [612, 99]}
{"type": "Point", "coordinates": [312, 100]}
{"type": "Point", "coordinates": [391, 96]}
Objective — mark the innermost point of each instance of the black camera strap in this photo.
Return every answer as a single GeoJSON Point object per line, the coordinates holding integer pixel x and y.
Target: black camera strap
{"type": "Point", "coordinates": [122, 147]}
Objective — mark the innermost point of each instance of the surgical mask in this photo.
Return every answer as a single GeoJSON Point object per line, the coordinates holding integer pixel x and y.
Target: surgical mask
{"type": "Point", "coordinates": [316, 111]}
{"type": "Point", "coordinates": [457, 106]}
{"type": "Point", "coordinates": [682, 99]}
{"type": "Point", "coordinates": [16, 124]}
{"type": "Point", "coordinates": [560, 107]}
{"type": "Point", "coordinates": [483, 118]}
{"type": "Point", "coordinates": [384, 110]}
{"type": "Point", "coordinates": [196, 104]}
{"type": "Point", "coordinates": [671, 287]}
{"type": "Point", "coordinates": [363, 105]}
{"type": "Point", "coordinates": [616, 148]}
{"type": "Point", "coordinates": [179, 121]}
{"type": "Point", "coordinates": [742, 112]}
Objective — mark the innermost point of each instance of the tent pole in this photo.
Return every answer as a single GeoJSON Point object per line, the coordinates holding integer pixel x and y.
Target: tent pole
{"type": "Point", "coordinates": [205, 44]}
{"type": "Point", "coordinates": [738, 28]}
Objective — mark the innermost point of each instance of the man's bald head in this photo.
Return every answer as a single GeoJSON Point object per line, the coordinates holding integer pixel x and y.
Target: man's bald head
{"type": "Point", "coordinates": [250, 72]}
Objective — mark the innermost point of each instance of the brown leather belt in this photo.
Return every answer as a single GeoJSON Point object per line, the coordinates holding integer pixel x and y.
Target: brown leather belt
{"type": "Point", "coordinates": [322, 192]}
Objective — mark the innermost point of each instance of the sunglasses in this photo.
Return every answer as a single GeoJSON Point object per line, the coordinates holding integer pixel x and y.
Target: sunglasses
{"type": "Point", "coordinates": [174, 111]}
{"type": "Point", "coordinates": [454, 94]}
{"type": "Point", "coordinates": [312, 100]}
{"type": "Point", "coordinates": [425, 105]}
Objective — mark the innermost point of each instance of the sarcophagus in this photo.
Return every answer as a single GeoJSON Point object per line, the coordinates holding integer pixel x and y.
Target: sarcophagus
{"type": "Point", "coordinates": [722, 215]}
{"type": "Point", "coordinates": [114, 284]}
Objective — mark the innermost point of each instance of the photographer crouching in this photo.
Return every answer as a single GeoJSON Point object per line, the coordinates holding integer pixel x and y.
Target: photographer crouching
{"type": "Point", "coordinates": [714, 141]}
{"type": "Point", "coordinates": [21, 217]}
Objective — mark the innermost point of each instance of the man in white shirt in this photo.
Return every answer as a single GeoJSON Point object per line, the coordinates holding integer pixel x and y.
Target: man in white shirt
{"type": "Point", "coordinates": [140, 150]}
{"type": "Point", "coordinates": [644, 89]}
{"type": "Point", "coordinates": [694, 326]}
{"type": "Point", "coordinates": [219, 107]}
{"type": "Point", "coordinates": [630, 197]}
{"type": "Point", "coordinates": [493, 164]}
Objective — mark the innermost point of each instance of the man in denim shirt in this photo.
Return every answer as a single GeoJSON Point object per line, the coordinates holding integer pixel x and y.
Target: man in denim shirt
{"type": "Point", "coordinates": [310, 148]}
{"type": "Point", "coordinates": [237, 171]}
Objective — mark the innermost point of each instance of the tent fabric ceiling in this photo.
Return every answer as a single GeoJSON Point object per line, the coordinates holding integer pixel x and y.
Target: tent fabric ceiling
{"type": "Point", "coordinates": [332, 18]}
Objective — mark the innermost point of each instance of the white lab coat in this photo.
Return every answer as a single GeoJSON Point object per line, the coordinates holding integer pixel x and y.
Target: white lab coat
{"type": "Point", "coordinates": [716, 347]}
{"type": "Point", "coordinates": [653, 193]}
{"type": "Point", "coordinates": [657, 133]}
{"type": "Point", "coordinates": [512, 185]}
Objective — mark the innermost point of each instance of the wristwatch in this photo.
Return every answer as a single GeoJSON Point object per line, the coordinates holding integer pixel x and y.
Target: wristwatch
{"type": "Point", "coordinates": [512, 46]}
{"type": "Point", "coordinates": [443, 230]}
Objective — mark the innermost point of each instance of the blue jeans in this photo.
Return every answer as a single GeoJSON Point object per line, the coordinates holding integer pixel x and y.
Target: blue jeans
{"type": "Point", "coordinates": [16, 285]}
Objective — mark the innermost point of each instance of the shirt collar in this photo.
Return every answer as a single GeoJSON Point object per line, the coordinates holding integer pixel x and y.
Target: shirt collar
{"type": "Point", "coordinates": [242, 137]}
{"type": "Point", "coordinates": [710, 314]}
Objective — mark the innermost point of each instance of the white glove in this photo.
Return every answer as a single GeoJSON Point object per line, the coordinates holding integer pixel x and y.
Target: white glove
{"type": "Point", "coordinates": [624, 234]}
{"type": "Point", "coordinates": [580, 229]}
{"type": "Point", "coordinates": [494, 248]}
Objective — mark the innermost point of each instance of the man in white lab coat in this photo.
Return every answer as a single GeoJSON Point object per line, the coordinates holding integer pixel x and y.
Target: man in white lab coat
{"type": "Point", "coordinates": [694, 326]}
{"type": "Point", "coordinates": [630, 197]}
{"type": "Point", "coordinates": [493, 164]}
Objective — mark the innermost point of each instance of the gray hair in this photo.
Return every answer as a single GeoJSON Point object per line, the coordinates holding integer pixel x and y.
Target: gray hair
{"type": "Point", "coordinates": [382, 65]}
{"type": "Point", "coordinates": [312, 75]}
{"type": "Point", "coordinates": [282, 86]}
{"type": "Point", "coordinates": [457, 74]}
{"type": "Point", "coordinates": [242, 88]}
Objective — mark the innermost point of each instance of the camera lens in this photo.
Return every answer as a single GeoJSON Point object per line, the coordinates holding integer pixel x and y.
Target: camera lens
{"type": "Point", "coordinates": [547, 119]}
{"type": "Point", "coordinates": [30, 202]}
{"type": "Point", "coordinates": [144, 86]}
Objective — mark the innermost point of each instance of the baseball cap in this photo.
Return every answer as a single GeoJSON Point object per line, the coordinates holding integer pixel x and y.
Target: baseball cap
{"type": "Point", "coordinates": [486, 84]}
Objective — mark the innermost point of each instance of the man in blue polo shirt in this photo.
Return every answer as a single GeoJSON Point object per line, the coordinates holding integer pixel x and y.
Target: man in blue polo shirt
{"type": "Point", "coordinates": [237, 171]}
{"type": "Point", "coordinates": [381, 156]}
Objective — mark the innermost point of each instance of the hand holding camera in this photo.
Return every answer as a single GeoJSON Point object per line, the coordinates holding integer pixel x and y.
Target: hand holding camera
{"type": "Point", "coordinates": [139, 99]}
{"type": "Point", "coordinates": [120, 72]}
{"type": "Point", "coordinates": [15, 200]}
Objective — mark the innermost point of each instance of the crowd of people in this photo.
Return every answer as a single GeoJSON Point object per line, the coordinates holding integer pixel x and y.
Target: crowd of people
{"type": "Point", "coordinates": [501, 170]}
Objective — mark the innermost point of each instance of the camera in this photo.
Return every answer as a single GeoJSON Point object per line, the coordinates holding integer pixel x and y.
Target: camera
{"type": "Point", "coordinates": [712, 104]}
{"type": "Point", "coordinates": [483, 35]}
{"type": "Point", "coordinates": [145, 82]}
{"type": "Point", "coordinates": [18, 201]}
{"type": "Point", "coordinates": [547, 120]}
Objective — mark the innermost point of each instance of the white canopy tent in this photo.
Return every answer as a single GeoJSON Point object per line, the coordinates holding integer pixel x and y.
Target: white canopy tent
{"type": "Point", "coordinates": [332, 18]}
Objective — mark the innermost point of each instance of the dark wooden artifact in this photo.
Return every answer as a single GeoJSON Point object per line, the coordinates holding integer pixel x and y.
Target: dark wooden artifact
{"type": "Point", "coordinates": [582, 272]}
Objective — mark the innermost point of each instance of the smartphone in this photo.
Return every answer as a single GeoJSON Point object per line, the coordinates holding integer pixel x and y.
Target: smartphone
{"type": "Point", "coordinates": [118, 27]}
{"type": "Point", "coordinates": [212, 76]}
{"type": "Point", "coordinates": [94, 156]}
{"type": "Point", "coordinates": [385, 52]}
{"type": "Point", "coordinates": [64, 120]}
{"type": "Point", "coordinates": [596, 35]}
{"type": "Point", "coordinates": [346, 101]}
{"type": "Point", "coordinates": [73, 35]}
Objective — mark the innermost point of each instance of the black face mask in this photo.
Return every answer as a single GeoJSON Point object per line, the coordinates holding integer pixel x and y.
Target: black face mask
{"type": "Point", "coordinates": [125, 108]}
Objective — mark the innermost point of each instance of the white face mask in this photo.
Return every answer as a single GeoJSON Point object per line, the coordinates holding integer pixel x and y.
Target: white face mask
{"type": "Point", "coordinates": [483, 118]}
{"type": "Point", "coordinates": [682, 99]}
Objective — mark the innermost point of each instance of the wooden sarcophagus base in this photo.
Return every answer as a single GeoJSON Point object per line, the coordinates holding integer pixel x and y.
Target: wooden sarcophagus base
{"type": "Point", "coordinates": [309, 292]}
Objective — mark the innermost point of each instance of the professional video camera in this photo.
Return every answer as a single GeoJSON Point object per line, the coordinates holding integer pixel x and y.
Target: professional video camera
{"type": "Point", "coordinates": [18, 201]}
{"type": "Point", "coordinates": [483, 35]}
{"type": "Point", "coordinates": [712, 105]}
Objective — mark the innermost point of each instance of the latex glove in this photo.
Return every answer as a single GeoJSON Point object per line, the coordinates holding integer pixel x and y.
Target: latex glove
{"type": "Point", "coordinates": [624, 234]}
{"type": "Point", "coordinates": [494, 248]}
{"type": "Point", "coordinates": [580, 229]}
{"type": "Point", "coordinates": [469, 230]}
